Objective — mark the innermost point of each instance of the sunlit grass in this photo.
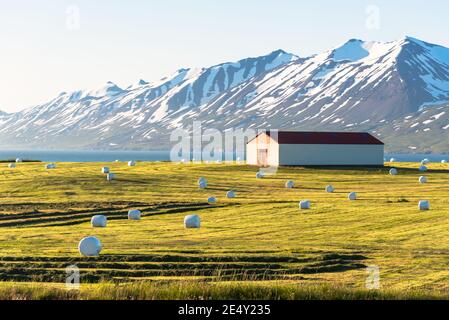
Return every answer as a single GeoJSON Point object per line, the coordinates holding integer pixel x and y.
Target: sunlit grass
{"type": "Point", "coordinates": [329, 245]}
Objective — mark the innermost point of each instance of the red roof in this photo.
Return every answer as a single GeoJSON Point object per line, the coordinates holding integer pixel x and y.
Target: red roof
{"type": "Point", "coordinates": [301, 137]}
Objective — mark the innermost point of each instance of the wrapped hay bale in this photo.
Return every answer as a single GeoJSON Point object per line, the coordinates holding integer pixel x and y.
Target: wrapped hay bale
{"type": "Point", "coordinates": [202, 183]}
{"type": "Point", "coordinates": [392, 160]}
{"type": "Point", "coordinates": [90, 247]}
{"type": "Point", "coordinates": [425, 161]}
{"type": "Point", "coordinates": [290, 184]}
{"type": "Point", "coordinates": [212, 200]}
{"type": "Point", "coordinates": [330, 189]}
{"type": "Point", "coordinates": [304, 205]}
{"type": "Point", "coordinates": [19, 160]}
{"type": "Point", "coordinates": [110, 176]}
{"type": "Point", "coordinates": [443, 161]}
{"type": "Point", "coordinates": [422, 168]}
{"type": "Point", "coordinates": [11, 165]}
{"type": "Point", "coordinates": [134, 215]}
{"type": "Point", "coordinates": [230, 194]}
{"type": "Point", "coordinates": [424, 205]}
{"type": "Point", "coordinates": [192, 222]}
{"type": "Point", "coordinates": [422, 179]}
{"type": "Point", "coordinates": [352, 196]}
{"type": "Point", "coordinates": [99, 221]}
{"type": "Point", "coordinates": [259, 175]}
{"type": "Point", "coordinates": [393, 171]}
{"type": "Point", "coordinates": [105, 170]}
{"type": "Point", "coordinates": [131, 163]}
{"type": "Point", "coordinates": [50, 166]}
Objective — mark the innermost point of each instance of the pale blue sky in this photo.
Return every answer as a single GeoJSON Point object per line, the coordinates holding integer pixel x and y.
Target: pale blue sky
{"type": "Point", "coordinates": [44, 52]}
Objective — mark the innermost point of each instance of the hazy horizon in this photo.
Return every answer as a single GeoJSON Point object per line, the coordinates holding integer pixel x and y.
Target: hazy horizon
{"type": "Point", "coordinates": [52, 47]}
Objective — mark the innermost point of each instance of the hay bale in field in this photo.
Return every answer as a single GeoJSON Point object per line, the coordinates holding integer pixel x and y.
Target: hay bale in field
{"type": "Point", "coordinates": [422, 168]}
{"type": "Point", "coordinates": [422, 179]}
{"type": "Point", "coordinates": [304, 205]}
{"type": "Point", "coordinates": [202, 183]}
{"type": "Point", "coordinates": [424, 205]}
{"type": "Point", "coordinates": [134, 215]}
{"type": "Point", "coordinates": [117, 160]}
{"type": "Point", "coordinates": [392, 160]}
{"type": "Point", "coordinates": [425, 161]}
{"type": "Point", "coordinates": [290, 184]}
{"type": "Point", "coordinates": [259, 175]}
{"type": "Point", "coordinates": [393, 171]}
{"type": "Point", "coordinates": [110, 176]}
{"type": "Point", "coordinates": [330, 189]}
{"type": "Point", "coordinates": [352, 196]}
{"type": "Point", "coordinates": [99, 221]}
{"type": "Point", "coordinates": [11, 165]}
{"type": "Point", "coordinates": [443, 161]}
{"type": "Point", "coordinates": [105, 170]}
{"type": "Point", "coordinates": [19, 160]}
{"type": "Point", "coordinates": [212, 200]}
{"type": "Point", "coordinates": [131, 163]}
{"type": "Point", "coordinates": [90, 246]}
{"type": "Point", "coordinates": [50, 166]}
{"type": "Point", "coordinates": [230, 194]}
{"type": "Point", "coordinates": [192, 221]}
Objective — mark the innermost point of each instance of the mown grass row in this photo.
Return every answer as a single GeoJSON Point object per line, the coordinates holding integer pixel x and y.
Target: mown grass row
{"type": "Point", "coordinates": [199, 290]}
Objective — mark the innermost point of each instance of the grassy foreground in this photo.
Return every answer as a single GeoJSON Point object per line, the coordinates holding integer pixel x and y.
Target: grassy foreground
{"type": "Point", "coordinates": [259, 245]}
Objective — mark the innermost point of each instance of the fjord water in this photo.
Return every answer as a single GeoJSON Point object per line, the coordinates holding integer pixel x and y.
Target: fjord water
{"type": "Point", "coordinates": [109, 156]}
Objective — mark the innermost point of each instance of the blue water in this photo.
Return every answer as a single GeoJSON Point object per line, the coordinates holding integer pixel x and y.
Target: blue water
{"type": "Point", "coordinates": [84, 156]}
{"type": "Point", "coordinates": [109, 156]}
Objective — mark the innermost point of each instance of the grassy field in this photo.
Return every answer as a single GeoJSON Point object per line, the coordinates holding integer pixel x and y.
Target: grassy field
{"type": "Point", "coordinates": [254, 246]}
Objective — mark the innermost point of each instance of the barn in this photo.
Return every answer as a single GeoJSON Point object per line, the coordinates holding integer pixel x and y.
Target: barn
{"type": "Point", "coordinates": [297, 148]}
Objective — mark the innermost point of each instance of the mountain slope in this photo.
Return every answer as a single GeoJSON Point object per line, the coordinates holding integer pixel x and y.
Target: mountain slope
{"type": "Point", "coordinates": [356, 86]}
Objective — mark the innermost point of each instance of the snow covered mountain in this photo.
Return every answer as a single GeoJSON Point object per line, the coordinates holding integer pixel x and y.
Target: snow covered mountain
{"type": "Point", "coordinates": [357, 86]}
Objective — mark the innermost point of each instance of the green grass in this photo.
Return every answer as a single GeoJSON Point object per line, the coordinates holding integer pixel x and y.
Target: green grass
{"type": "Point", "coordinates": [259, 241]}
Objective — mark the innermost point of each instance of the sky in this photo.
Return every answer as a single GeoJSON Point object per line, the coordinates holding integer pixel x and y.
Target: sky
{"type": "Point", "coordinates": [47, 46]}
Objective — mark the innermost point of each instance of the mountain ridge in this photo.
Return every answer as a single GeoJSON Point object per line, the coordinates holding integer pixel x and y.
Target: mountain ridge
{"type": "Point", "coordinates": [358, 85]}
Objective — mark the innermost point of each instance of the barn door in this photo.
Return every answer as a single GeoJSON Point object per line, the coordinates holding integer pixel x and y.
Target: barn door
{"type": "Point", "coordinates": [262, 157]}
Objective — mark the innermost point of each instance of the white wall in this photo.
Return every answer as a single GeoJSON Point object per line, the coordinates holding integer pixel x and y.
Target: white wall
{"type": "Point", "coordinates": [251, 153]}
{"type": "Point", "coordinates": [254, 145]}
{"type": "Point", "coordinates": [330, 154]}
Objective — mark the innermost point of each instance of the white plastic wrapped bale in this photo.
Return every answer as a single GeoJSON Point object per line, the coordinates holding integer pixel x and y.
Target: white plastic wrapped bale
{"type": "Point", "coordinates": [134, 215]}
{"type": "Point", "coordinates": [304, 205]}
{"type": "Point", "coordinates": [212, 200]}
{"type": "Point", "coordinates": [290, 184]}
{"type": "Point", "coordinates": [110, 176]}
{"type": "Point", "coordinates": [422, 179]}
{"type": "Point", "coordinates": [352, 196]}
{"type": "Point", "coordinates": [392, 160]}
{"type": "Point", "coordinates": [105, 170]}
{"type": "Point", "coordinates": [230, 194]}
{"type": "Point", "coordinates": [422, 168]}
{"type": "Point", "coordinates": [202, 183]}
{"type": "Point", "coordinates": [131, 163]}
{"type": "Point", "coordinates": [443, 161]}
{"type": "Point", "coordinates": [11, 165]}
{"type": "Point", "coordinates": [18, 160]}
{"type": "Point", "coordinates": [99, 221]}
{"type": "Point", "coordinates": [393, 171]}
{"type": "Point", "coordinates": [50, 166]}
{"type": "Point", "coordinates": [425, 161]}
{"type": "Point", "coordinates": [90, 247]}
{"type": "Point", "coordinates": [424, 205]}
{"type": "Point", "coordinates": [259, 175]}
{"type": "Point", "coordinates": [192, 222]}
{"type": "Point", "coordinates": [330, 189]}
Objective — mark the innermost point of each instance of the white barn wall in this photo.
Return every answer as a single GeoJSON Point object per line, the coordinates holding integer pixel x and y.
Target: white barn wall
{"type": "Point", "coordinates": [251, 153]}
{"type": "Point", "coordinates": [330, 154]}
{"type": "Point", "coordinates": [273, 153]}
